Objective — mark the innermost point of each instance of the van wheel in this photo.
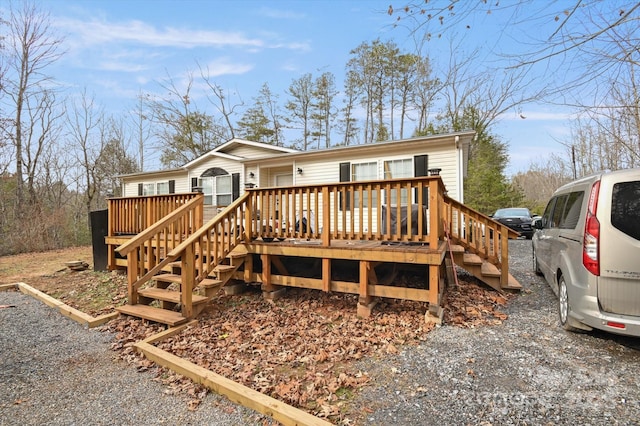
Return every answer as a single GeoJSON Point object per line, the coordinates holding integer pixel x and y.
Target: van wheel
{"type": "Point", "coordinates": [563, 306]}
{"type": "Point", "coordinates": [536, 267]}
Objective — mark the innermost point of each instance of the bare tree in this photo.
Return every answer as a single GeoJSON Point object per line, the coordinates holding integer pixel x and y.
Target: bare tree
{"type": "Point", "coordinates": [299, 106]}
{"type": "Point", "coordinates": [222, 102]}
{"type": "Point", "coordinates": [86, 133]}
{"type": "Point", "coordinates": [184, 132]}
{"type": "Point", "coordinates": [142, 118]}
{"type": "Point", "coordinates": [32, 48]}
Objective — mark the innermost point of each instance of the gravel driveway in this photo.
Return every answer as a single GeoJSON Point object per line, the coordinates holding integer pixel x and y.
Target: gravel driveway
{"type": "Point", "coordinates": [527, 371]}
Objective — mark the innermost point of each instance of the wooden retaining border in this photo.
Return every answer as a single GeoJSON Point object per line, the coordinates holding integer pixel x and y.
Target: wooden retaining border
{"type": "Point", "coordinates": [66, 310]}
{"type": "Point", "coordinates": [235, 392]}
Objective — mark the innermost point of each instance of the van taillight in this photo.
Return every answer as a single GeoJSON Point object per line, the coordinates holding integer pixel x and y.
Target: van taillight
{"type": "Point", "coordinates": [591, 246]}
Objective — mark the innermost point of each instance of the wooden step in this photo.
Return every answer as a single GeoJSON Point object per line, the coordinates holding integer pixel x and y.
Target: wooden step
{"type": "Point", "coordinates": [150, 313]}
{"type": "Point", "coordinates": [210, 283]}
{"type": "Point", "coordinates": [455, 248]}
{"type": "Point", "coordinates": [513, 284]}
{"type": "Point", "coordinates": [471, 259]}
{"type": "Point", "coordinates": [168, 278]}
{"type": "Point", "coordinates": [489, 270]}
{"type": "Point", "coordinates": [225, 268]}
{"type": "Point", "coordinates": [169, 295]}
{"type": "Point", "coordinates": [236, 255]}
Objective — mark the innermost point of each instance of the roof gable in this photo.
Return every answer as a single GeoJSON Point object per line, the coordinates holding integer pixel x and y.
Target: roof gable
{"type": "Point", "coordinates": [225, 150]}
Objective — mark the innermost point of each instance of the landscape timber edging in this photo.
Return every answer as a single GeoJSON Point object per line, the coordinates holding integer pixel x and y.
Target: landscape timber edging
{"type": "Point", "coordinates": [66, 310]}
{"type": "Point", "coordinates": [235, 392]}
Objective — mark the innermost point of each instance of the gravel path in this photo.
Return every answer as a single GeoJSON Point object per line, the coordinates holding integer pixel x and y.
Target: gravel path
{"type": "Point", "coordinates": [55, 372]}
{"type": "Point", "coordinates": [527, 371]}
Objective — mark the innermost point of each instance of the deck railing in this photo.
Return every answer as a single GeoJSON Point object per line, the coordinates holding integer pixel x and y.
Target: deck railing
{"type": "Point", "coordinates": [479, 234]}
{"type": "Point", "coordinates": [395, 210]}
{"type": "Point", "coordinates": [132, 215]}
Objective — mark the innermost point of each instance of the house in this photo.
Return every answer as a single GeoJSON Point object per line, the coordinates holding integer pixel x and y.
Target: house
{"type": "Point", "coordinates": [223, 173]}
{"type": "Point", "coordinates": [285, 218]}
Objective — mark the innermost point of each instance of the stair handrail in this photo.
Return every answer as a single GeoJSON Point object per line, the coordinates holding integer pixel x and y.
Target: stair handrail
{"type": "Point", "coordinates": [212, 245]}
{"type": "Point", "coordinates": [139, 269]}
{"type": "Point", "coordinates": [478, 228]}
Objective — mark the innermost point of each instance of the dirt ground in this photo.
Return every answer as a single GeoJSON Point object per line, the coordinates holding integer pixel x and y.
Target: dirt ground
{"type": "Point", "coordinates": [91, 292]}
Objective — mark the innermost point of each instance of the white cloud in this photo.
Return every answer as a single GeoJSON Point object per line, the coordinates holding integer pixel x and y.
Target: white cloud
{"type": "Point", "coordinates": [95, 32]}
{"type": "Point", "coordinates": [280, 13]}
{"type": "Point", "coordinates": [226, 66]}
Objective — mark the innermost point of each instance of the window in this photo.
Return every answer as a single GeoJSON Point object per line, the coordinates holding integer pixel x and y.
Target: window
{"type": "Point", "coordinates": [625, 208]}
{"type": "Point", "coordinates": [206, 184]}
{"type": "Point", "coordinates": [394, 169]}
{"type": "Point", "coordinates": [223, 190]}
{"type": "Point", "coordinates": [557, 211]}
{"type": "Point", "coordinates": [572, 211]}
{"type": "Point", "coordinates": [546, 216]}
{"type": "Point", "coordinates": [360, 172]}
{"type": "Point", "coordinates": [148, 189]}
{"type": "Point", "coordinates": [162, 188]}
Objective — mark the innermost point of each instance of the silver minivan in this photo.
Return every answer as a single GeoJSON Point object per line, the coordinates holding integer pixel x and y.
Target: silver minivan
{"type": "Point", "coordinates": [587, 247]}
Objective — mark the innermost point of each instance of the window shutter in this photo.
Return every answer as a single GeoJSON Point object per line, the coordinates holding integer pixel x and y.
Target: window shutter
{"type": "Point", "coordinates": [139, 189]}
{"type": "Point", "coordinates": [235, 186]}
{"type": "Point", "coordinates": [421, 165]}
{"type": "Point", "coordinates": [345, 176]}
{"type": "Point", "coordinates": [421, 168]}
{"type": "Point", "coordinates": [172, 186]}
{"type": "Point", "coordinates": [194, 184]}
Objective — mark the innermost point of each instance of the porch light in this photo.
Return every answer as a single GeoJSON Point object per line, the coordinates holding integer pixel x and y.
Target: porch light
{"type": "Point", "coordinates": [434, 172]}
{"type": "Point", "coordinates": [299, 171]}
{"type": "Point", "coordinates": [252, 175]}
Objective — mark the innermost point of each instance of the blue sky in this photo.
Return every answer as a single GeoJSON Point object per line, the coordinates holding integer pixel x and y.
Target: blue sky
{"type": "Point", "coordinates": [117, 49]}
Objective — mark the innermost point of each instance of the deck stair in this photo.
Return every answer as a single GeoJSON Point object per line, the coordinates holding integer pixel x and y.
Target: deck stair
{"type": "Point", "coordinates": [160, 300]}
{"type": "Point", "coordinates": [483, 270]}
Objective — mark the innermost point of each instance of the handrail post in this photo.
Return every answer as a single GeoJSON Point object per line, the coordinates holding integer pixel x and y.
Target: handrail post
{"type": "Point", "coordinates": [326, 217]}
{"type": "Point", "coordinates": [504, 256]}
{"type": "Point", "coordinates": [248, 218]}
{"type": "Point", "coordinates": [132, 276]}
{"type": "Point", "coordinates": [188, 278]}
{"type": "Point", "coordinates": [434, 219]}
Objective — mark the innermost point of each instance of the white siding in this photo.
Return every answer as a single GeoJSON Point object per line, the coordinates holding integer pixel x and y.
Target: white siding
{"type": "Point", "coordinates": [444, 157]}
{"type": "Point", "coordinates": [248, 151]}
{"type": "Point", "coordinates": [327, 171]}
{"type": "Point", "coordinates": [130, 185]}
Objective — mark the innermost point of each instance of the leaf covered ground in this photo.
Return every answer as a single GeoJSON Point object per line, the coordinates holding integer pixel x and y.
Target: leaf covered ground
{"type": "Point", "coordinates": [307, 348]}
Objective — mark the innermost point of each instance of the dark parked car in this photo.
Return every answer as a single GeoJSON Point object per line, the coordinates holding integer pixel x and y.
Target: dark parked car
{"type": "Point", "coordinates": [516, 218]}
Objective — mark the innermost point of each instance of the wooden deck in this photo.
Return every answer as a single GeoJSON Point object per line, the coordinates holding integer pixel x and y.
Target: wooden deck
{"type": "Point", "coordinates": [262, 238]}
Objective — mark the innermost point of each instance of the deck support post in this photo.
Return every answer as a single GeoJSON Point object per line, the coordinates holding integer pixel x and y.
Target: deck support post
{"type": "Point", "coordinates": [266, 273]}
{"type": "Point", "coordinates": [436, 287]}
{"type": "Point", "coordinates": [248, 268]}
{"type": "Point", "coordinates": [269, 291]}
{"type": "Point", "coordinates": [326, 275]}
{"type": "Point", "coordinates": [366, 303]}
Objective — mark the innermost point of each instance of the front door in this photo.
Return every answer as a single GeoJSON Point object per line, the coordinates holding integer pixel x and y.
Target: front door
{"type": "Point", "coordinates": [284, 180]}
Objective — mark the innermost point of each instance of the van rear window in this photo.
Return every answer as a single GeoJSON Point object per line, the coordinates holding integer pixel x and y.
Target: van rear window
{"type": "Point", "coordinates": [572, 210]}
{"type": "Point", "coordinates": [625, 208]}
